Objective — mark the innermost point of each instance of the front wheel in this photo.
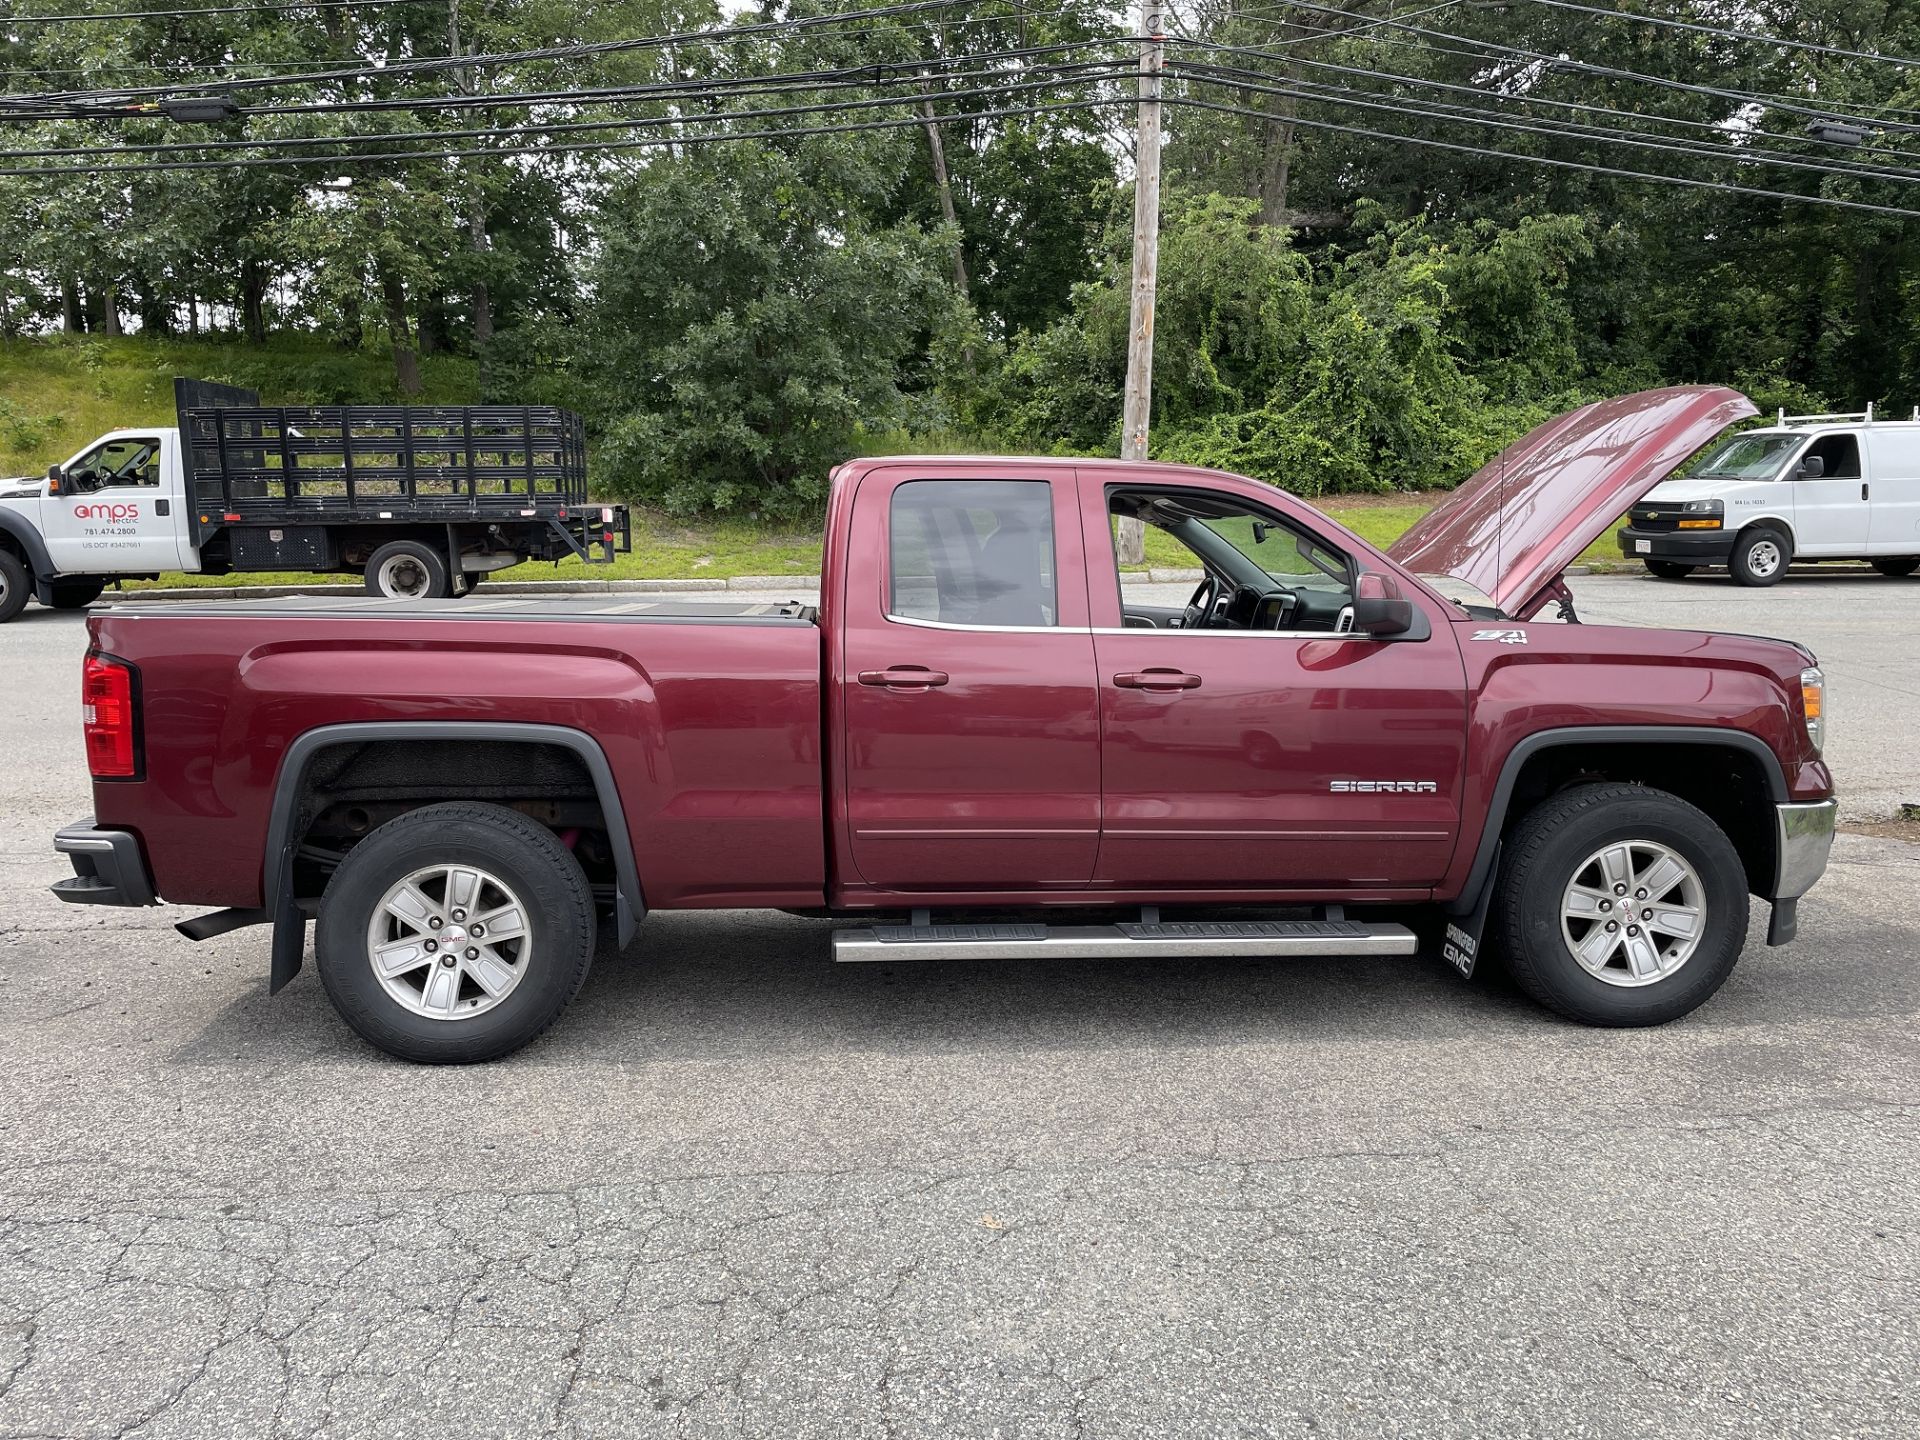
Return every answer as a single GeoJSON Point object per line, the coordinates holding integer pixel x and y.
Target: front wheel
{"type": "Point", "coordinates": [1759, 557]}
{"type": "Point", "coordinates": [1669, 569]}
{"type": "Point", "coordinates": [1620, 905]}
{"type": "Point", "coordinates": [455, 933]}
{"type": "Point", "coordinates": [14, 586]}
{"type": "Point", "coordinates": [1898, 566]}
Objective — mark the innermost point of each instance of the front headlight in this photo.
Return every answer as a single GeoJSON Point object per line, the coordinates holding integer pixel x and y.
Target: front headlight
{"type": "Point", "coordinates": [1813, 705]}
{"type": "Point", "coordinates": [1703, 515]}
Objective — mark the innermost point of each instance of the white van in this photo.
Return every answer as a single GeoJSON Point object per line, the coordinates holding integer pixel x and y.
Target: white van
{"type": "Point", "coordinates": [1808, 487]}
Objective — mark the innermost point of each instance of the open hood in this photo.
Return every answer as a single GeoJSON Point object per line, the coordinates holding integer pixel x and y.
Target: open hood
{"type": "Point", "coordinates": [1522, 518]}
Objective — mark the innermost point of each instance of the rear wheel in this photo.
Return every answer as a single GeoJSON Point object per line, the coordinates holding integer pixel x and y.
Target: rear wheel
{"type": "Point", "coordinates": [1759, 557]}
{"type": "Point", "coordinates": [13, 586]}
{"type": "Point", "coordinates": [1669, 569]}
{"type": "Point", "coordinates": [76, 594]}
{"type": "Point", "coordinates": [456, 933]}
{"type": "Point", "coordinates": [1620, 905]}
{"type": "Point", "coordinates": [1897, 566]}
{"type": "Point", "coordinates": [407, 570]}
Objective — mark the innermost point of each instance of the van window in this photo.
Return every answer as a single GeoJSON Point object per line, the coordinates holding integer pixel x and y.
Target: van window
{"type": "Point", "coordinates": [972, 552]}
{"type": "Point", "coordinates": [1747, 457]}
{"type": "Point", "coordinates": [1841, 454]}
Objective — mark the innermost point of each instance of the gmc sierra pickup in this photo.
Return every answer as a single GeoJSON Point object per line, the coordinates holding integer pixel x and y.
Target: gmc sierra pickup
{"type": "Point", "coordinates": [980, 746]}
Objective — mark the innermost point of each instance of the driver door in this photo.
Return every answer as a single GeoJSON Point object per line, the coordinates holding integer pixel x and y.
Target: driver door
{"type": "Point", "coordinates": [1263, 761]}
{"type": "Point", "coordinates": [115, 513]}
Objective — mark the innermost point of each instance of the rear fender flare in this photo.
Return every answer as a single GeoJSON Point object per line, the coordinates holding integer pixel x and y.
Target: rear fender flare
{"type": "Point", "coordinates": [276, 879]}
{"type": "Point", "coordinates": [1481, 876]}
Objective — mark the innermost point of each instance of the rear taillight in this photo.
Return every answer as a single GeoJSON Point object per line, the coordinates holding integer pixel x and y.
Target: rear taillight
{"type": "Point", "coordinates": [112, 720]}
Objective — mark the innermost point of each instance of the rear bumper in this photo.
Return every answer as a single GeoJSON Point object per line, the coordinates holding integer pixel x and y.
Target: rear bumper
{"type": "Point", "coordinates": [1684, 547]}
{"type": "Point", "coordinates": [108, 868]}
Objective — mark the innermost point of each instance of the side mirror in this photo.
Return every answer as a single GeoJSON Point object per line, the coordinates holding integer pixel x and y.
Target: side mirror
{"type": "Point", "coordinates": [1378, 607]}
{"type": "Point", "coordinates": [1812, 467]}
{"type": "Point", "coordinates": [1260, 532]}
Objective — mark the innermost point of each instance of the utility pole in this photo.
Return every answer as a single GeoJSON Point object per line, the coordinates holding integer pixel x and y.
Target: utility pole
{"type": "Point", "coordinates": [1131, 535]}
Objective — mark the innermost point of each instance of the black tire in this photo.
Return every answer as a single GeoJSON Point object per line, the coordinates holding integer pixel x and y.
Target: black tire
{"type": "Point", "coordinates": [408, 570]}
{"type": "Point", "coordinates": [1549, 850]}
{"type": "Point", "coordinates": [1898, 566]}
{"type": "Point", "coordinates": [76, 594]}
{"type": "Point", "coordinates": [1760, 556]}
{"type": "Point", "coordinates": [15, 587]}
{"type": "Point", "coordinates": [544, 879]}
{"type": "Point", "coordinates": [1669, 569]}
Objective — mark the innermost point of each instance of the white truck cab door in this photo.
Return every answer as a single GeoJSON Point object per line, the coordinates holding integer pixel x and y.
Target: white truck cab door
{"type": "Point", "coordinates": [119, 507]}
{"type": "Point", "coordinates": [1830, 510]}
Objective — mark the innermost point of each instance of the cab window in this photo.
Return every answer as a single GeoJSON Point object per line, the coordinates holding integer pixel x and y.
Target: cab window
{"type": "Point", "coordinates": [972, 552]}
{"type": "Point", "coordinates": [127, 461]}
{"type": "Point", "coordinates": [1839, 456]}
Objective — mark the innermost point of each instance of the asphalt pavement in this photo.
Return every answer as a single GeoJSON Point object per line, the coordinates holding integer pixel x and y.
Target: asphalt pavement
{"type": "Point", "coordinates": [742, 1191]}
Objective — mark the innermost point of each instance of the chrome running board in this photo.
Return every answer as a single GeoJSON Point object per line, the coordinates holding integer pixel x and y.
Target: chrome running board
{"type": "Point", "coordinates": [1123, 941]}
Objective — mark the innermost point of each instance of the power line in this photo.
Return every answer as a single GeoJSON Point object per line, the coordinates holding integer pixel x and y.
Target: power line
{"type": "Point", "coordinates": [1614, 72]}
{"type": "Point", "coordinates": [207, 10]}
{"type": "Point", "coordinates": [1613, 135]}
{"type": "Point", "coordinates": [1716, 127]}
{"type": "Point", "coordinates": [1589, 167]}
{"type": "Point", "coordinates": [648, 143]}
{"type": "Point", "coordinates": [1724, 33]}
{"type": "Point", "coordinates": [1054, 76]}
{"type": "Point", "coordinates": [572, 51]}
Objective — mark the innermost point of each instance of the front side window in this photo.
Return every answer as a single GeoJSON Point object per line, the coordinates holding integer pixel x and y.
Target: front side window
{"type": "Point", "coordinates": [118, 462]}
{"type": "Point", "coordinates": [1839, 456]}
{"type": "Point", "coordinates": [972, 552]}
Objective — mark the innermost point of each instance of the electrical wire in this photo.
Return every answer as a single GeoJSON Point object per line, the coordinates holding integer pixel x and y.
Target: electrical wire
{"type": "Point", "coordinates": [1615, 73]}
{"type": "Point", "coordinates": [1723, 32]}
{"type": "Point", "coordinates": [573, 51]}
{"type": "Point", "coordinates": [1053, 76]}
{"type": "Point", "coordinates": [1439, 110]}
{"type": "Point", "coordinates": [6, 20]}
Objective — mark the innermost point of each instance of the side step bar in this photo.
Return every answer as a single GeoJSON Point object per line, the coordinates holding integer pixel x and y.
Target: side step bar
{"type": "Point", "coordinates": [1124, 941]}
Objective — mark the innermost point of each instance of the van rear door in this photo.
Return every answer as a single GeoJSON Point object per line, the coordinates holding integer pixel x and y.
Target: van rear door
{"type": "Point", "coordinates": [1894, 475]}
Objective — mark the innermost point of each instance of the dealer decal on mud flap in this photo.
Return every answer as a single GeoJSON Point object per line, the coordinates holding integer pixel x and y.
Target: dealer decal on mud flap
{"type": "Point", "coordinates": [1460, 942]}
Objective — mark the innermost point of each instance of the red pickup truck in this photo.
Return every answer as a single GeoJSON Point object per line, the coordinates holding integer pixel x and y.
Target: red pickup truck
{"type": "Point", "coordinates": [980, 744]}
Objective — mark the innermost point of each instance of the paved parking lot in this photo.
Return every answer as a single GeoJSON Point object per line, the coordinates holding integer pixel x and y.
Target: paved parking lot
{"type": "Point", "coordinates": [742, 1191]}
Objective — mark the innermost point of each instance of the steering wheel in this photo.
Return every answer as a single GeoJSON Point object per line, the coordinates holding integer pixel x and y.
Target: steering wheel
{"type": "Point", "coordinates": [1200, 606]}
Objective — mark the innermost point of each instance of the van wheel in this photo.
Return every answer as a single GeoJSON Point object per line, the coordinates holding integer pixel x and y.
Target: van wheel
{"type": "Point", "coordinates": [1898, 566]}
{"type": "Point", "coordinates": [407, 570]}
{"type": "Point", "coordinates": [1669, 569]}
{"type": "Point", "coordinates": [1759, 557]}
{"type": "Point", "coordinates": [14, 586]}
{"type": "Point", "coordinates": [455, 933]}
{"type": "Point", "coordinates": [1620, 905]}
{"type": "Point", "coordinates": [76, 594]}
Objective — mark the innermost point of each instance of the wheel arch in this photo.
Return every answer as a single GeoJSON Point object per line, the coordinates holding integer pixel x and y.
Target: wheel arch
{"type": "Point", "coordinates": [1769, 522]}
{"type": "Point", "coordinates": [26, 542]}
{"type": "Point", "coordinates": [284, 831]}
{"type": "Point", "coordinates": [1674, 758]}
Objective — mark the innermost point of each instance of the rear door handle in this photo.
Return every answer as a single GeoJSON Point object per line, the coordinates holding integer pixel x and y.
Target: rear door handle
{"type": "Point", "coordinates": [904, 677]}
{"type": "Point", "coordinates": [1158, 678]}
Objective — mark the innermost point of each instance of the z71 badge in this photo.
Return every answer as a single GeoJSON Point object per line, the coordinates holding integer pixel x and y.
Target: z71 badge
{"type": "Point", "coordinates": [1503, 637]}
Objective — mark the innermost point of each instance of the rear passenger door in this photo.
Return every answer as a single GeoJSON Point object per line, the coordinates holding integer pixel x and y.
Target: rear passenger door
{"type": "Point", "coordinates": [970, 731]}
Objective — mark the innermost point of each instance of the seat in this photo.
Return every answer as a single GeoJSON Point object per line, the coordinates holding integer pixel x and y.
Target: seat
{"type": "Point", "coordinates": [1009, 582]}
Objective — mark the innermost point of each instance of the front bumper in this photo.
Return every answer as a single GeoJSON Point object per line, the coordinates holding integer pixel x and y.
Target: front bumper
{"type": "Point", "coordinates": [108, 868]}
{"type": "Point", "coordinates": [1803, 836]}
{"type": "Point", "coordinates": [1684, 547]}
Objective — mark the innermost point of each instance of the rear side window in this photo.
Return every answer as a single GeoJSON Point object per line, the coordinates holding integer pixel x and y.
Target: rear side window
{"type": "Point", "coordinates": [972, 552]}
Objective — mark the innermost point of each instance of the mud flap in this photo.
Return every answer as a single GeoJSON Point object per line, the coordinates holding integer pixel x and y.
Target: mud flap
{"type": "Point", "coordinates": [1460, 941]}
{"type": "Point", "coordinates": [289, 934]}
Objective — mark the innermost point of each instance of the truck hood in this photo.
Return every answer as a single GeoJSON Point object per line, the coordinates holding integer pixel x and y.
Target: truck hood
{"type": "Point", "coordinates": [1511, 529]}
{"type": "Point", "coordinates": [21, 487]}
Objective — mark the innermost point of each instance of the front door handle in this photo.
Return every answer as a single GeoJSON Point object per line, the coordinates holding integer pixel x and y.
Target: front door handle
{"type": "Point", "coordinates": [1157, 678]}
{"type": "Point", "coordinates": [904, 677]}
{"type": "Point", "coordinates": [1863, 491]}
{"type": "Point", "coordinates": [163, 507]}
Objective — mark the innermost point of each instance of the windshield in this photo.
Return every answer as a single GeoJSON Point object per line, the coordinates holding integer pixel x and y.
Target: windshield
{"type": "Point", "coordinates": [1282, 553]}
{"type": "Point", "coordinates": [1747, 457]}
